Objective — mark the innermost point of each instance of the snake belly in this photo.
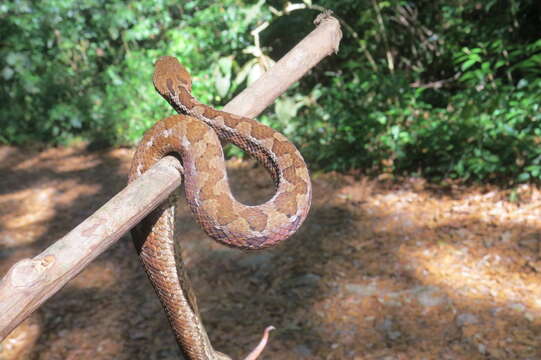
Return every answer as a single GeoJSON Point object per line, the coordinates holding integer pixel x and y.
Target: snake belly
{"type": "Point", "coordinates": [194, 135]}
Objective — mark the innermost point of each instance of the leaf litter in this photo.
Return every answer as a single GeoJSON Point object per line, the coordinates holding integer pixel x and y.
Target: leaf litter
{"type": "Point", "coordinates": [380, 270]}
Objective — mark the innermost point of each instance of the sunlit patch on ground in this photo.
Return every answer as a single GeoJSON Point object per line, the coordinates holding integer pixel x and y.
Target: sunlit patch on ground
{"type": "Point", "coordinates": [378, 271]}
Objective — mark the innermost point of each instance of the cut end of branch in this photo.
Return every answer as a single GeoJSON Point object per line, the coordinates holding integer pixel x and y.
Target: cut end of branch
{"type": "Point", "coordinates": [326, 18]}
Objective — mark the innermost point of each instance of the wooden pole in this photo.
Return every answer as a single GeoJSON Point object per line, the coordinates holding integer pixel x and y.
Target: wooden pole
{"type": "Point", "coordinates": [30, 282]}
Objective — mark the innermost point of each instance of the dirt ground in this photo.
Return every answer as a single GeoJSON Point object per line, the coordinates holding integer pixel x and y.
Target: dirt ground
{"type": "Point", "coordinates": [380, 270]}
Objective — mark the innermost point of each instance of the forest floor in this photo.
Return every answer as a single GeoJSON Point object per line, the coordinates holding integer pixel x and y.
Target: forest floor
{"type": "Point", "coordinates": [380, 270]}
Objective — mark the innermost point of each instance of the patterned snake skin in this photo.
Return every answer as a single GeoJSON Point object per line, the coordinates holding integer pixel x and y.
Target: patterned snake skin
{"type": "Point", "coordinates": [194, 136]}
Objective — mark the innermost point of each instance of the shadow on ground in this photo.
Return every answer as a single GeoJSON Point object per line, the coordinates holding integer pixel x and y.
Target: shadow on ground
{"type": "Point", "coordinates": [378, 271]}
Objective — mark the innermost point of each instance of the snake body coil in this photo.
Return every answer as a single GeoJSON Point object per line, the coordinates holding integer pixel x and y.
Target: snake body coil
{"type": "Point", "coordinates": [195, 136]}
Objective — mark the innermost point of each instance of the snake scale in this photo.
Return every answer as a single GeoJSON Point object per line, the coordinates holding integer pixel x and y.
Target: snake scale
{"type": "Point", "coordinates": [194, 136]}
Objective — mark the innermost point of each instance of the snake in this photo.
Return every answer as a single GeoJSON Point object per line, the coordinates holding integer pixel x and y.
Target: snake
{"type": "Point", "coordinates": [195, 136]}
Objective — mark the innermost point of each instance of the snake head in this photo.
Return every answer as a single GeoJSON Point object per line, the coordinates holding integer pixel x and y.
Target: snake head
{"type": "Point", "coordinates": [169, 74]}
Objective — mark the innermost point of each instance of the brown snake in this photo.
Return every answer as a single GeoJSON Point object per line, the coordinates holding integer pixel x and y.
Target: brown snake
{"type": "Point", "coordinates": [195, 137]}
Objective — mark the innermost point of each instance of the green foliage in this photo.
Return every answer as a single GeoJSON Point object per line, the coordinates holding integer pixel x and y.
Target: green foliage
{"type": "Point", "coordinates": [83, 68]}
{"type": "Point", "coordinates": [434, 89]}
{"type": "Point", "coordinates": [441, 89]}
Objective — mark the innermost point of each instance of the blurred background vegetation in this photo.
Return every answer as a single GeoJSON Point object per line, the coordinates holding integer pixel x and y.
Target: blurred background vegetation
{"type": "Point", "coordinates": [439, 89]}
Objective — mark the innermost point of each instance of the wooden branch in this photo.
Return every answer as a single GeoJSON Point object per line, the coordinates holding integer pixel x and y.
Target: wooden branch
{"type": "Point", "coordinates": [30, 282]}
{"type": "Point", "coordinates": [321, 42]}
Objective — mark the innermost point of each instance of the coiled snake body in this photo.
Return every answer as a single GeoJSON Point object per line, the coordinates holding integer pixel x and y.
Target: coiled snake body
{"type": "Point", "coordinates": [193, 135]}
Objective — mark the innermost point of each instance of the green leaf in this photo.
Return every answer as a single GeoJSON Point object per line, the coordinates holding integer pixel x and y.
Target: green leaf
{"type": "Point", "coordinates": [523, 177]}
{"type": "Point", "coordinates": [469, 63]}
